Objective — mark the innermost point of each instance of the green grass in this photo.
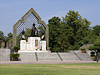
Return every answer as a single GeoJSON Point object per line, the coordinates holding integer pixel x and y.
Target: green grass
{"type": "Point", "coordinates": [50, 69]}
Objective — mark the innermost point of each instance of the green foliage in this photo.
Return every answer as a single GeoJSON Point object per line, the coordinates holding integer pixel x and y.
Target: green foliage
{"type": "Point", "coordinates": [10, 36]}
{"type": "Point", "coordinates": [96, 30]}
{"type": "Point", "coordinates": [54, 26]}
{"type": "Point", "coordinates": [97, 48]}
{"type": "Point", "coordinates": [12, 55]}
{"type": "Point", "coordinates": [1, 38]}
{"type": "Point", "coordinates": [92, 54]}
{"type": "Point", "coordinates": [70, 33]}
{"type": "Point", "coordinates": [83, 49]}
{"type": "Point", "coordinates": [11, 41]}
{"type": "Point", "coordinates": [18, 38]}
{"type": "Point", "coordinates": [71, 48]}
{"type": "Point", "coordinates": [91, 47]}
{"type": "Point", "coordinates": [27, 33]}
{"type": "Point", "coordinates": [97, 43]}
{"type": "Point", "coordinates": [16, 48]}
{"type": "Point", "coordinates": [41, 29]}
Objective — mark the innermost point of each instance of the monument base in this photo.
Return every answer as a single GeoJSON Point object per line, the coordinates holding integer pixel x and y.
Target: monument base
{"type": "Point", "coordinates": [34, 44]}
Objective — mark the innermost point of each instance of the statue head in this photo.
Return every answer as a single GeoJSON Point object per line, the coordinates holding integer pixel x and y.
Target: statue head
{"type": "Point", "coordinates": [23, 31]}
{"type": "Point", "coordinates": [33, 25]}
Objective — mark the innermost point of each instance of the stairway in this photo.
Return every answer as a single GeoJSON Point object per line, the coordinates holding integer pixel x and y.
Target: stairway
{"type": "Point", "coordinates": [68, 56]}
{"type": "Point", "coordinates": [47, 56]}
{"type": "Point", "coordinates": [27, 56]}
{"type": "Point", "coordinates": [83, 56]}
{"type": "Point", "coordinates": [54, 56]}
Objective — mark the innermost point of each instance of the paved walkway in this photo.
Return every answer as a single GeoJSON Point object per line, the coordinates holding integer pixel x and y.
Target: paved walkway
{"type": "Point", "coordinates": [45, 62]}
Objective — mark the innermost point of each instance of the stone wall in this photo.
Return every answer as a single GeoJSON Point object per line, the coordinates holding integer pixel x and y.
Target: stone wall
{"type": "Point", "coordinates": [4, 54]}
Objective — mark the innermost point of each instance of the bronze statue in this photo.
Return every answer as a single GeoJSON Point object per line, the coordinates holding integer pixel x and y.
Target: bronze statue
{"type": "Point", "coordinates": [23, 37]}
{"type": "Point", "coordinates": [43, 36]}
{"type": "Point", "coordinates": [34, 31]}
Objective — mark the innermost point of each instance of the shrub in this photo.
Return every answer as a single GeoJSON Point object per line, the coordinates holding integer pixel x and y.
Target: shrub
{"type": "Point", "coordinates": [16, 48]}
{"type": "Point", "coordinates": [12, 55]}
{"type": "Point", "coordinates": [97, 43]}
{"type": "Point", "coordinates": [91, 47]}
{"type": "Point", "coordinates": [92, 54]}
{"type": "Point", "coordinates": [83, 49]}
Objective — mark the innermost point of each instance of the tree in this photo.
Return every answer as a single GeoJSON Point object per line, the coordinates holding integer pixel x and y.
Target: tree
{"type": "Point", "coordinates": [27, 33]}
{"type": "Point", "coordinates": [18, 38]}
{"type": "Point", "coordinates": [65, 37]}
{"type": "Point", "coordinates": [96, 48]}
{"type": "Point", "coordinates": [10, 36]}
{"type": "Point", "coordinates": [54, 31]}
{"type": "Point", "coordinates": [1, 37]}
{"type": "Point", "coordinates": [41, 30]}
{"type": "Point", "coordinates": [11, 41]}
{"type": "Point", "coordinates": [96, 30]}
{"type": "Point", "coordinates": [69, 33]}
{"type": "Point", "coordinates": [80, 27]}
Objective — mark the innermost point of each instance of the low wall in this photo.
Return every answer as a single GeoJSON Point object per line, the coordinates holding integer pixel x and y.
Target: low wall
{"type": "Point", "coordinates": [4, 54]}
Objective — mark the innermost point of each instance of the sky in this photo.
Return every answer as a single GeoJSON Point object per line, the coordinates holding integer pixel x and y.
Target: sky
{"type": "Point", "coordinates": [12, 10]}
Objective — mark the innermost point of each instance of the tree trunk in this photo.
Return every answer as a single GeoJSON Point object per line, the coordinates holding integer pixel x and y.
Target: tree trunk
{"type": "Point", "coordinates": [97, 55]}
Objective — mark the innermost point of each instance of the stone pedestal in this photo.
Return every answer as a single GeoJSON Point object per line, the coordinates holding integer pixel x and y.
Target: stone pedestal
{"type": "Point", "coordinates": [43, 44]}
{"type": "Point", "coordinates": [27, 45]}
{"type": "Point", "coordinates": [23, 45]}
{"type": "Point", "coordinates": [32, 43]}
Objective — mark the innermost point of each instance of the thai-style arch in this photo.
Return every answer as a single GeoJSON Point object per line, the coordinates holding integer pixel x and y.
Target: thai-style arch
{"type": "Point", "coordinates": [25, 23]}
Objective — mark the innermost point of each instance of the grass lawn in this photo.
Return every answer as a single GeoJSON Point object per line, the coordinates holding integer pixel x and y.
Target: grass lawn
{"type": "Point", "coordinates": [50, 69]}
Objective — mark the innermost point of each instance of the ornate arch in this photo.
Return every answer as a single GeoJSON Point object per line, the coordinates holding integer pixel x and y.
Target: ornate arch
{"type": "Point", "coordinates": [26, 21]}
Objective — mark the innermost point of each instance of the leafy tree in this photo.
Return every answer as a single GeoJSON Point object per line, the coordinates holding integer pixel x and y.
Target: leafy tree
{"type": "Point", "coordinates": [65, 37]}
{"type": "Point", "coordinates": [54, 26]}
{"type": "Point", "coordinates": [41, 30]}
{"type": "Point", "coordinates": [96, 30]}
{"type": "Point", "coordinates": [1, 37]}
{"type": "Point", "coordinates": [69, 33]}
{"type": "Point", "coordinates": [27, 33]}
{"type": "Point", "coordinates": [11, 41]}
{"type": "Point", "coordinates": [10, 36]}
{"type": "Point", "coordinates": [80, 27]}
{"type": "Point", "coordinates": [18, 38]}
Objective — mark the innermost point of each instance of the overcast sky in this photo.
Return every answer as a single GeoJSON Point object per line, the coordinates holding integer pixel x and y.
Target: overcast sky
{"type": "Point", "coordinates": [12, 10]}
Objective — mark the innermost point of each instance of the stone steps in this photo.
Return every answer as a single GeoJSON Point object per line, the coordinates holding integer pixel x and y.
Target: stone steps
{"type": "Point", "coordinates": [54, 56]}
{"type": "Point", "coordinates": [83, 56]}
{"type": "Point", "coordinates": [27, 56]}
{"type": "Point", "coordinates": [48, 56]}
{"type": "Point", "coordinates": [68, 56]}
